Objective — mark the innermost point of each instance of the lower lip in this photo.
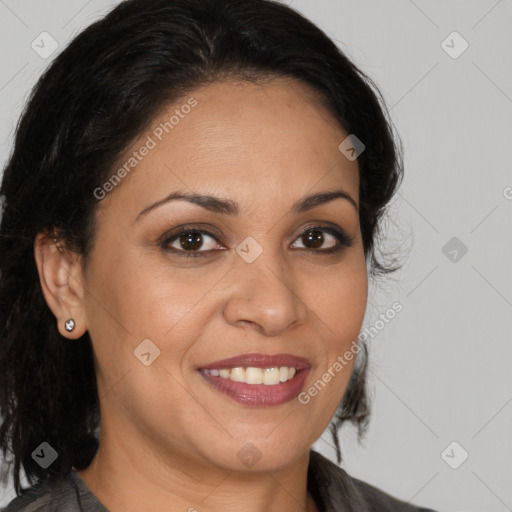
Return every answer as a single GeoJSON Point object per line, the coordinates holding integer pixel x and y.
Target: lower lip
{"type": "Point", "coordinates": [259, 394]}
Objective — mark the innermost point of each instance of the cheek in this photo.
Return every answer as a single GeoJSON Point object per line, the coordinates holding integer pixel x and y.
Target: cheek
{"type": "Point", "coordinates": [341, 300]}
{"type": "Point", "coordinates": [340, 311]}
{"type": "Point", "coordinates": [143, 296]}
{"type": "Point", "coordinates": [132, 302]}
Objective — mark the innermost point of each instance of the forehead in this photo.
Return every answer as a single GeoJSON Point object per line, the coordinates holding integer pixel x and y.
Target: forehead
{"type": "Point", "coordinates": [238, 138]}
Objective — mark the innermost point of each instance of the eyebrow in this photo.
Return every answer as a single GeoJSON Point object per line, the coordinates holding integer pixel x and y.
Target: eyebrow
{"type": "Point", "coordinates": [229, 207]}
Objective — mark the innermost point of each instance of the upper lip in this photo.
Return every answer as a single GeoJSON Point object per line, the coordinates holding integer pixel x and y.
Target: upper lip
{"type": "Point", "coordinates": [259, 361]}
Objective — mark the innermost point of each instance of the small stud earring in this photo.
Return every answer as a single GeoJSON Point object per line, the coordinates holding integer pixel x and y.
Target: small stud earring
{"type": "Point", "coordinates": [69, 325]}
{"type": "Point", "coordinates": [56, 242]}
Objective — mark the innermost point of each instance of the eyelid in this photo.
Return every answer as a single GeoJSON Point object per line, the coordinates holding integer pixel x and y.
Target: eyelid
{"type": "Point", "coordinates": [186, 228]}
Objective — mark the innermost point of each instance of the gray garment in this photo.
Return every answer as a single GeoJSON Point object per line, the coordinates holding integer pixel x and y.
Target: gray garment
{"type": "Point", "coordinates": [331, 487]}
{"type": "Point", "coordinates": [69, 494]}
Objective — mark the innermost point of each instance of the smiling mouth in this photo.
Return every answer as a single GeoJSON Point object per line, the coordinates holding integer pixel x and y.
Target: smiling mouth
{"type": "Point", "coordinates": [258, 379]}
{"type": "Point", "coordinates": [248, 389]}
{"type": "Point", "coordinates": [270, 376]}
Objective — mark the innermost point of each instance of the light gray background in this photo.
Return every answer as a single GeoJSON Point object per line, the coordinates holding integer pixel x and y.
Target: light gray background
{"type": "Point", "coordinates": [440, 371]}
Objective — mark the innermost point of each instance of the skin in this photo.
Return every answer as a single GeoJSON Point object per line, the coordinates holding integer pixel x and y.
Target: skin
{"type": "Point", "coordinates": [169, 441]}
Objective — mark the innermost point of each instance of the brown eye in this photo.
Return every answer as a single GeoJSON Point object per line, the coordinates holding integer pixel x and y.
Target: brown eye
{"type": "Point", "coordinates": [191, 241]}
{"type": "Point", "coordinates": [313, 238]}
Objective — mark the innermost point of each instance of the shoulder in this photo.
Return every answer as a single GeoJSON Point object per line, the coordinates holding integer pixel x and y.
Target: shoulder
{"type": "Point", "coordinates": [336, 490]}
{"type": "Point", "coordinates": [45, 496]}
{"type": "Point", "coordinates": [60, 495]}
{"type": "Point", "coordinates": [382, 501]}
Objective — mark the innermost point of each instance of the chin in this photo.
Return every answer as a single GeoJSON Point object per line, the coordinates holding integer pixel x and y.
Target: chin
{"type": "Point", "coordinates": [259, 454]}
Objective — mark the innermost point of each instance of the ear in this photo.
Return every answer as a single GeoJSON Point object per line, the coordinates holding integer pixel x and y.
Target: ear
{"type": "Point", "coordinates": [60, 275]}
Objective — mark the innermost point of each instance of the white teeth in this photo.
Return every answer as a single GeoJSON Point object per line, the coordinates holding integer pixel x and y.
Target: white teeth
{"type": "Point", "coordinates": [252, 375]}
{"type": "Point", "coordinates": [237, 374]}
{"type": "Point", "coordinates": [271, 376]}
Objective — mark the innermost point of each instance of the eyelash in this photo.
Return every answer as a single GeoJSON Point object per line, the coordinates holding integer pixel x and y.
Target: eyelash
{"type": "Point", "coordinates": [344, 240]}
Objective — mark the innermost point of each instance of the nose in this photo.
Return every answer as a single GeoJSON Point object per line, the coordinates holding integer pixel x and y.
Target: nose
{"type": "Point", "coordinates": [265, 296]}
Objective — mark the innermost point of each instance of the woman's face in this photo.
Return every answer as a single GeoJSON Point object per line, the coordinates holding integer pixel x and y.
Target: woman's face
{"type": "Point", "coordinates": [252, 288]}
